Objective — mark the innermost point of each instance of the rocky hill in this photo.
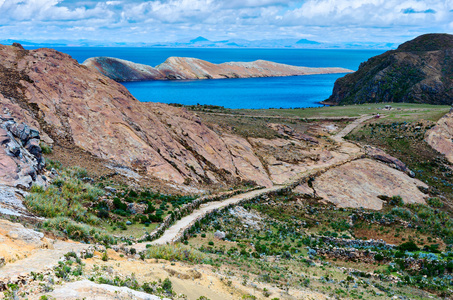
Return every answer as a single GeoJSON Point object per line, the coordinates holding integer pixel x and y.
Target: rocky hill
{"type": "Point", "coordinates": [77, 108]}
{"type": "Point", "coordinates": [419, 71]}
{"type": "Point", "coordinates": [179, 68]}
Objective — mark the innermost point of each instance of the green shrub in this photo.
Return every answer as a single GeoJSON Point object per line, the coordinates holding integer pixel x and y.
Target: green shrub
{"type": "Point", "coordinates": [166, 285]}
{"type": "Point", "coordinates": [105, 257]}
{"type": "Point", "coordinates": [434, 202]}
{"type": "Point", "coordinates": [396, 201]}
{"type": "Point", "coordinates": [46, 149]}
{"type": "Point", "coordinates": [53, 164]}
{"type": "Point", "coordinates": [118, 204]}
{"type": "Point", "coordinates": [379, 257]}
{"type": "Point", "coordinates": [408, 246]}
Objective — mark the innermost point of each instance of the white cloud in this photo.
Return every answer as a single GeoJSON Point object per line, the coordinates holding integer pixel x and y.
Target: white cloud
{"type": "Point", "coordinates": [161, 20]}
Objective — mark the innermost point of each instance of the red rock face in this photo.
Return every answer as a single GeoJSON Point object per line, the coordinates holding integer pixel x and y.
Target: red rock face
{"type": "Point", "coordinates": [71, 104]}
{"type": "Point", "coordinates": [179, 68]}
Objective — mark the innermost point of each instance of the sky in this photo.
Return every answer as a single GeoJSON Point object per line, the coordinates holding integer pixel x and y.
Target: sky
{"type": "Point", "coordinates": [131, 21]}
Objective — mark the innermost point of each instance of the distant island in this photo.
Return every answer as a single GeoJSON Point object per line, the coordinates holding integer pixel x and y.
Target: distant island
{"type": "Point", "coordinates": [186, 68]}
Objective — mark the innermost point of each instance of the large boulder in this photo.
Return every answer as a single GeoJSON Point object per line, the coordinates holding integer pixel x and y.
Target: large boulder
{"type": "Point", "coordinates": [359, 183]}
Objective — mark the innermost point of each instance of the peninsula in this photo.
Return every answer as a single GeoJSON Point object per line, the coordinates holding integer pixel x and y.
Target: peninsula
{"type": "Point", "coordinates": [187, 68]}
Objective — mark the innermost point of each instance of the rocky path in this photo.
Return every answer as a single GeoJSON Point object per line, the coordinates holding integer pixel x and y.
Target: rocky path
{"type": "Point", "coordinates": [175, 231]}
{"type": "Point", "coordinates": [345, 131]}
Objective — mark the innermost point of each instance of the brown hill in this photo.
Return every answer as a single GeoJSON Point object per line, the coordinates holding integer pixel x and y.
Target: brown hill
{"type": "Point", "coordinates": [419, 71]}
{"type": "Point", "coordinates": [179, 68]}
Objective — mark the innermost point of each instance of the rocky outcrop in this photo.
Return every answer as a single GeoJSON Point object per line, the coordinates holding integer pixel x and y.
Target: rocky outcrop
{"type": "Point", "coordinates": [359, 183]}
{"type": "Point", "coordinates": [391, 161]}
{"type": "Point", "coordinates": [419, 71]}
{"type": "Point", "coordinates": [440, 137]}
{"type": "Point", "coordinates": [21, 158]}
{"type": "Point", "coordinates": [178, 68]}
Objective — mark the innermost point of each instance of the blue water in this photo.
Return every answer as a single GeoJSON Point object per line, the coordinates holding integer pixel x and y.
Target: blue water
{"type": "Point", "coordinates": [284, 92]}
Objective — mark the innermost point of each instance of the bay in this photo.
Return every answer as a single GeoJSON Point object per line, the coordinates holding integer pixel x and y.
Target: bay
{"type": "Point", "coordinates": [274, 92]}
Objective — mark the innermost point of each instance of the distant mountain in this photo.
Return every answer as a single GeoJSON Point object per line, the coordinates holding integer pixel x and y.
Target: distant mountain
{"type": "Point", "coordinates": [202, 42]}
{"type": "Point", "coordinates": [307, 42]}
{"type": "Point", "coordinates": [199, 39]}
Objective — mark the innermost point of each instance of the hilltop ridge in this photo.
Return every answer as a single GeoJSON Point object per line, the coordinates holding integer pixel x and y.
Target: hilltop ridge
{"type": "Point", "coordinates": [418, 71]}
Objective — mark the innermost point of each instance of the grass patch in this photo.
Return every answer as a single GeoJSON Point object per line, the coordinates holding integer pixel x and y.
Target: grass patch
{"type": "Point", "coordinates": [177, 252]}
{"type": "Point", "coordinates": [78, 231]}
{"type": "Point", "coordinates": [66, 196]}
{"type": "Point", "coordinates": [406, 111]}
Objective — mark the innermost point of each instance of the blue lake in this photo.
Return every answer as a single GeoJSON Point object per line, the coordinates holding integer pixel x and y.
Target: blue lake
{"type": "Point", "coordinates": [285, 92]}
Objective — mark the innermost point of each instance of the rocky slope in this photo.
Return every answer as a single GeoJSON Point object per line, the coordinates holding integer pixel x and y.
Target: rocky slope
{"type": "Point", "coordinates": [420, 71]}
{"type": "Point", "coordinates": [178, 68]}
{"type": "Point", "coordinates": [75, 107]}
{"type": "Point", "coordinates": [440, 137]}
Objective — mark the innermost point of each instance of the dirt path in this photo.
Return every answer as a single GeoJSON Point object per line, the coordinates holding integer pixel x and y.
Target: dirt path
{"type": "Point", "coordinates": [174, 231]}
{"type": "Point", "coordinates": [345, 131]}
{"type": "Point", "coordinates": [41, 259]}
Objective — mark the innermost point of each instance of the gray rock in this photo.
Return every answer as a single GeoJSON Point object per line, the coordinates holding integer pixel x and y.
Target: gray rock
{"type": "Point", "coordinates": [21, 131]}
{"type": "Point", "coordinates": [131, 208]}
{"type": "Point", "coordinates": [13, 149]}
{"type": "Point", "coordinates": [128, 223]}
{"type": "Point", "coordinates": [110, 189]}
{"type": "Point", "coordinates": [53, 172]}
{"type": "Point", "coordinates": [33, 147]}
{"type": "Point", "coordinates": [219, 235]}
{"type": "Point", "coordinates": [34, 134]}
{"type": "Point", "coordinates": [24, 182]}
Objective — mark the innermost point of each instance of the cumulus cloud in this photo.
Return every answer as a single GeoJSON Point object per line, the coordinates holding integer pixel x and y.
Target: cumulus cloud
{"type": "Point", "coordinates": [160, 20]}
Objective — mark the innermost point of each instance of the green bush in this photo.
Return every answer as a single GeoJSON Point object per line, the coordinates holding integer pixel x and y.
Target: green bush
{"type": "Point", "coordinates": [396, 201]}
{"type": "Point", "coordinates": [166, 285]}
{"type": "Point", "coordinates": [46, 149]}
{"type": "Point", "coordinates": [408, 246]}
{"type": "Point", "coordinates": [53, 164]}
{"type": "Point", "coordinates": [379, 257]}
{"type": "Point", "coordinates": [434, 202]}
